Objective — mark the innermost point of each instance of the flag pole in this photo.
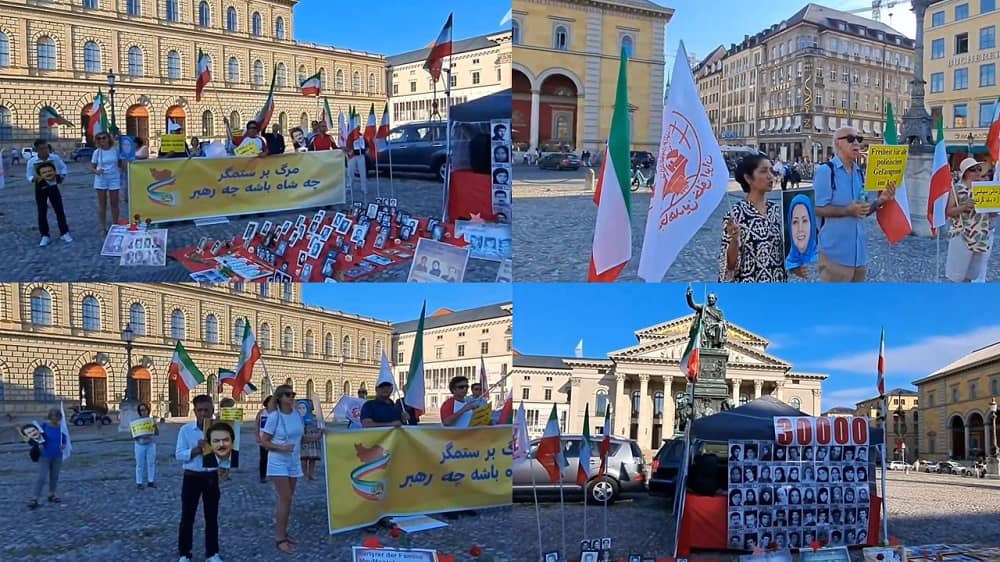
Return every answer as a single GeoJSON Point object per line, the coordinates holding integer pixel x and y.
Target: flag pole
{"type": "Point", "coordinates": [680, 492]}
{"type": "Point", "coordinates": [562, 510]}
{"type": "Point", "coordinates": [605, 461]}
{"type": "Point", "coordinates": [885, 508]}
{"type": "Point", "coordinates": [538, 512]}
{"type": "Point", "coordinates": [378, 184]}
{"type": "Point", "coordinates": [447, 164]}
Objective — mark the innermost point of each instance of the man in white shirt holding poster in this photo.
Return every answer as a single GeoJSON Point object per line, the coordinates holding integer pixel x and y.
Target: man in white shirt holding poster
{"type": "Point", "coordinates": [200, 482]}
{"type": "Point", "coordinates": [458, 410]}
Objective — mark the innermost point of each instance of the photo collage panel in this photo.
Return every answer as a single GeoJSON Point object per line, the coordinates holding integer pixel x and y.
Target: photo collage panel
{"type": "Point", "coordinates": [501, 168]}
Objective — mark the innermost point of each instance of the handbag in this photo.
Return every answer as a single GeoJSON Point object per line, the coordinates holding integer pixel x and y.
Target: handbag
{"type": "Point", "coordinates": [35, 453]}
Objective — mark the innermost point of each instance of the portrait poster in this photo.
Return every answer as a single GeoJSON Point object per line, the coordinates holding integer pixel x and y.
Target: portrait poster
{"type": "Point", "coordinates": [438, 262]}
{"type": "Point", "coordinates": [500, 130]}
{"type": "Point", "coordinates": [487, 241]}
{"type": "Point", "coordinates": [113, 241]}
{"type": "Point", "coordinates": [142, 427]}
{"type": "Point", "coordinates": [148, 247]}
{"type": "Point", "coordinates": [801, 231]}
{"type": "Point", "coordinates": [31, 433]}
{"type": "Point", "coordinates": [222, 450]}
{"type": "Point", "coordinates": [126, 147]}
{"type": "Point", "coordinates": [304, 406]}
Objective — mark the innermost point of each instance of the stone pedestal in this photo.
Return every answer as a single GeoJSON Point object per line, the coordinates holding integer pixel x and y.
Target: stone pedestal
{"type": "Point", "coordinates": [918, 188]}
{"type": "Point", "coordinates": [711, 390]}
{"type": "Point", "coordinates": [992, 468]}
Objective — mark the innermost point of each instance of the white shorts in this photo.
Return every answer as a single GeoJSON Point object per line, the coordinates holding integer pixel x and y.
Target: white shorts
{"type": "Point", "coordinates": [107, 183]}
{"type": "Point", "coordinates": [284, 464]}
{"type": "Point", "coordinates": [963, 264]}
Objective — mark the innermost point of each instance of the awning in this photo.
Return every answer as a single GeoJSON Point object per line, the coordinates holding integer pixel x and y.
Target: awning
{"type": "Point", "coordinates": [964, 148]}
{"type": "Point", "coordinates": [818, 122]}
{"type": "Point", "coordinates": [93, 371]}
{"type": "Point", "coordinates": [140, 373]}
{"type": "Point", "coordinates": [832, 123]}
{"type": "Point", "coordinates": [761, 126]}
{"type": "Point", "coordinates": [798, 123]}
{"type": "Point", "coordinates": [788, 124]}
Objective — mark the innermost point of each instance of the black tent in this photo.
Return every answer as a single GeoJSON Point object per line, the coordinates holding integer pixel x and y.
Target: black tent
{"type": "Point", "coordinates": [493, 106]}
{"type": "Point", "coordinates": [753, 420]}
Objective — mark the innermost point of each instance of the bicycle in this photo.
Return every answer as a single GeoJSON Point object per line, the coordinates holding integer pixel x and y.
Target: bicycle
{"type": "Point", "coordinates": [639, 177]}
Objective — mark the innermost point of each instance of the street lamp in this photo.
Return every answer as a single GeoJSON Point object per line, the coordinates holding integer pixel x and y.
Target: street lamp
{"type": "Point", "coordinates": [128, 336]}
{"type": "Point", "coordinates": [900, 427]}
{"type": "Point", "coordinates": [111, 92]}
{"type": "Point", "coordinates": [994, 460]}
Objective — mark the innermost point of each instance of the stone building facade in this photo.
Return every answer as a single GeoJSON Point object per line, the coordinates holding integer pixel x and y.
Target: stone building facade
{"type": "Point", "coordinates": [902, 424]}
{"type": "Point", "coordinates": [640, 383]}
{"type": "Point", "coordinates": [63, 342]}
{"type": "Point", "coordinates": [59, 53]}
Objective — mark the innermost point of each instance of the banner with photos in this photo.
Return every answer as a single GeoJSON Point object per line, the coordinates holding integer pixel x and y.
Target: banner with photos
{"type": "Point", "coordinates": [144, 247]}
{"type": "Point", "coordinates": [487, 241]}
{"type": "Point", "coordinates": [437, 262]}
{"type": "Point", "coordinates": [814, 482]}
{"type": "Point", "coordinates": [500, 158]}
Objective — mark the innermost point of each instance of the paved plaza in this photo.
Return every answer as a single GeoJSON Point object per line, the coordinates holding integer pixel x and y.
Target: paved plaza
{"type": "Point", "coordinates": [554, 233]}
{"type": "Point", "coordinates": [924, 509]}
{"type": "Point", "coordinates": [103, 517]}
{"type": "Point", "coordinates": [81, 260]}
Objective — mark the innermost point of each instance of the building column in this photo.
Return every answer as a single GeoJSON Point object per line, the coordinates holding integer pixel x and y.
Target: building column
{"type": "Point", "coordinates": [779, 388]}
{"type": "Point", "coordinates": [645, 415]}
{"type": "Point", "coordinates": [667, 430]}
{"type": "Point", "coordinates": [968, 439]}
{"type": "Point", "coordinates": [622, 408]}
{"type": "Point", "coordinates": [736, 391]}
{"type": "Point", "coordinates": [536, 104]}
{"type": "Point", "coordinates": [574, 406]}
{"type": "Point", "coordinates": [758, 385]}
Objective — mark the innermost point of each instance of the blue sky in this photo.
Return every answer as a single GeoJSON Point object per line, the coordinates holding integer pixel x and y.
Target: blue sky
{"type": "Point", "coordinates": [729, 20]}
{"type": "Point", "coordinates": [399, 302]}
{"type": "Point", "coordinates": [392, 27]}
{"type": "Point", "coordinates": [824, 328]}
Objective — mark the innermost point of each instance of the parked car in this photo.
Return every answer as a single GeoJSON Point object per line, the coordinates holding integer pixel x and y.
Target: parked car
{"type": "Point", "coordinates": [666, 464]}
{"type": "Point", "coordinates": [82, 153]}
{"type": "Point", "coordinates": [950, 467]}
{"type": "Point", "coordinates": [559, 161]}
{"type": "Point", "coordinates": [931, 466]}
{"type": "Point", "coordinates": [415, 147]}
{"type": "Point", "coordinates": [898, 465]}
{"type": "Point", "coordinates": [89, 417]}
{"type": "Point", "coordinates": [28, 153]}
{"type": "Point", "coordinates": [625, 474]}
{"type": "Point", "coordinates": [642, 158]}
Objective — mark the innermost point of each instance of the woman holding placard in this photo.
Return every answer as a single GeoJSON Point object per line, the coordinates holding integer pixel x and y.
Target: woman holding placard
{"type": "Point", "coordinates": [145, 450]}
{"type": "Point", "coordinates": [971, 232]}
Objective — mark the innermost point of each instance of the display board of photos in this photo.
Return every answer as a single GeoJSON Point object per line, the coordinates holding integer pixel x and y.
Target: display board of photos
{"type": "Point", "coordinates": [500, 169]}
{"type": "Point", "coordinates": [813, 482]}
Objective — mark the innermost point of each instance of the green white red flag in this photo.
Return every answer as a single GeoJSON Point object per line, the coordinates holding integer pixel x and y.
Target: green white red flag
{"type": "Point", "coordinates": [383, 131]}
{"type": "Point", "coordinates": [52, 118]}
{"type": "Point", "coordinates": [550, 452]}
{"type": "Point", "coordinates": [327, 116]}
{"type": "Point", "coordinates": [520, 437]}
{"type": "Point", "coordinates": [583, 469]}
{"type": "Point", "coordinates": [937, 201]}
{"type": "Point", "coordinates": [507, 411]}
{"type": "Point", "coordinates": [370, 129]}
{"type": "Point", "coordinates": [691, 361]}
{"type": "Point", "coordinates": [98, 121]}
{"type": "Point", "coordinates": [993, 140]}
{"type": "Point", "coordinates": [249, 354]}
{"type": "Point", "coordinates": [414, 393]}
{"type": "Point", "coordinates": [183, 371]}
{"type": "Point", "coordinates": [204, 74]}
{"type": "Point", "coordinates": [264, 117]}
{"type": "Point", "coordinates": [605, 447]}
{"type": "Point", "coordinates": [311, 86]}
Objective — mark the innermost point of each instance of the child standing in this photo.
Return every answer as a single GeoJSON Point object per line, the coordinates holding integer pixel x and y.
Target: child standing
{"type": "Point", "coordinates": [107, 166]}
{"type": "Point", "coordinates": [46, 171]}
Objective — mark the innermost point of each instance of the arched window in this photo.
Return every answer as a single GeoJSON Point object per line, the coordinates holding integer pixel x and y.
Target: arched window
{"type": "Point", "coordinates": [658, 405]}
{"type": "Point", "coordinates": [258, 73]}
{"type": "Point", "coordinates": [560, 38]}
{"type": "Point", "coordinates": [41, 307]}
{"type": "Point", "coordinates": [378, 350]}
{"type": "Point", "coordinates": [4, 50]}
{"type": "Point", "coordinates": [994, 387]}
{"type": "Point", "coordinates": [91, 314]}
{"type": "Point", "coordinates": [256, 24]}
{"type": "Point", "coordinates": [46, 53]}
{"type": "Point", "coordinates": [137, 319]}
{"type": "Point", "coordinates": [6, 124]}
{"type": "Point", "coordinates": [177, 324]}
{"type": "Point", "coordinates": [602, 403]}
{"type": "Point", "coordinates": [234, 121]}
{"type": "Point", "coordinates": [265, 336]}
{"type": "Point", "coordinates": [627, 45]}
{"type": "Point", "coordinates": [290, 382]}
{"type": "Point", "coordinates": [45, 384]}
{"type": "Point", "coordinates": [173, 14]}
{"type": "Point", "coordinates": [280, 76]}
{"type": "Point", "coordinates": [329, 391]}
{"type": "Point", "coordinates": [207, 124]}
{"type": "Point", "coordinates": [233, 70]}
{"type": "Point", "coordinates": [356, 82]}
{"type": "Point", "coordinates": [238, 328]}
{"type": "Point", "coordinates": [3, 394]}
{"type": "Point", "coordinates": [345, 348]}
{"type": "Point", "coordinates": [91, 57]}
{"type": "Point", "coordinates": [796, 403]}
{"type": "Point", "coordinates": [302, 73]}
{"type": "Point", "coordinates": [636, 397]}
{"type": "Point", "coordinates": [310, 388]}
{"type": "Point", "coordinates": [231, 19]}
{"type": "Point", "coordinates": [310, 343]}
{"type": "Point", "coordinates": [363, 348]}
{"type": "Point", "coordinates": [328, 345]}
{"type": "Point", "coordinates": [515, 32]}
{"type": "Point", "coordinates": [287, 339]}
{"type": "Point", "coordinates": [173, 65]}
{"type": "Point", "coordinates": [371, 83]}
{"type": "Point", "coordinates": [322, 79]}
{"type": "Point", "coordinates": [135, 69]}
{"type": "Point", "coordinates": [286, 291]}
{"type": "Point", "coordinates": [204, 15]}
{"type": "Point", "coordinates": [211, 329]}
{"type": "Point", "coordinates": [338, 81]}
{"type": "Point", "coordinates": [346, 388]}
{"type": "Point", "coordinates": [279, 28]}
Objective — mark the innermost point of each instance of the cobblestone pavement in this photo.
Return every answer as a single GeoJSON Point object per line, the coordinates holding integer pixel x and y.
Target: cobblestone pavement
{"type": "Point", "coordinates": [923, 509]}
{"type": "Point", "coordinates": [103, 517]}
{"type": "Point", "coordinates": [554, 231]}
{"type": "Point", "coordinates": [81, 260]}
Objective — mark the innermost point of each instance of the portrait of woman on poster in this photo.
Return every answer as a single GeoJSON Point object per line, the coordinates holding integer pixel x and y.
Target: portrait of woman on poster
{"type": "Point", "coordinates": [750, 497]}
{"type": "Point", "coordinates": [735, 475]}
{"type": "Point", "coordinates": [800, 230]}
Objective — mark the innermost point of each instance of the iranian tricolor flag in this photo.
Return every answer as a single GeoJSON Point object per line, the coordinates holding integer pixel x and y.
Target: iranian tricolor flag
{"type": "Point", "coordinates": [52, 118]}
{"type": "Point", "coordinates": [310, 86]}
{"type": "Point", "coordinates": [894, 216]}
{"type": "Point", "coordinates": [549, 453]}
{"type": "Point", "coordinates": [249, 354]}
{"type": "Point", "coordinates": [383, 130]}
{"type": "Point", "coordinates": [370, 129]}
{"type": "Point", "coordinates": [507, 411]}
{"type": "Point", "coordinates": [264, 117]}
{"type": "Point", "coordinates": [353, 130]}
{"type": "Point", "coordinates": [342, 124]}
{"type": "Point", "coordinates": [204, 74]}
{"type": "Point", "coordinates": [691, 361]}
{"type": "Point", "coordinates": [415, 388]}
{"type": "Point", "coordinates": [520, 437]}
{"type": "Point", "coordinates": [937, 201]}
{"type": "Point", "coordinates": [612, 247]}
{"type": "Point", "coordinates": [439, 50]}
{"type": "Point", "coordinates": [993, 140]}
{"type": "Point", "coordinates": [327, 116]}
{"type": "Point", "coordinates": [183, 371]}
{"type": "Point", "coordinates": [583, 469]}
{"type": "Point", "coordinates": [98, 122]}
{"type": "Point", "coordinates": [605, 448]}
{"type": "Point", "coordinates": [881, 364]}
{"type": "Point", "coordinates": [482, 375]}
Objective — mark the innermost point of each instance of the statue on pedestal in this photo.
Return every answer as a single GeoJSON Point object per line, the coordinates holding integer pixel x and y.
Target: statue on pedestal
{"type": "Point", "coordinates": [713, 322]}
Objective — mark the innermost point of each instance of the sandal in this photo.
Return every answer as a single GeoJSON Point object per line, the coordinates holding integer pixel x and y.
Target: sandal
{"type": "Point", "coordinates": [291, 539]}
{"type": "Point", "coordinates": [54, 499]}
{"type": "Point", "coordinates": [33, 504]}
{"type": "Point", "coordinates": [288, 550]}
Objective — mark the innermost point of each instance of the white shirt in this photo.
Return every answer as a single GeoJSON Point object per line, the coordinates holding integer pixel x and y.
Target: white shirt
{"type": "Point", "coordinates": [107, 162]}
{"type": "Point", "coordinates": [359, 143]}
{"type": "Point", "coordinates": [285, 429]}
{"type": "Point", "coordinates": [187, 439]}
{"type": "Point", "coordinates": [61, 168]}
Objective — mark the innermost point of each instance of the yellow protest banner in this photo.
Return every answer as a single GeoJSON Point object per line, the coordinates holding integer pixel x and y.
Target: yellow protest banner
{"type": "Point", "coordinates": [142, 427]}
{"type": "Point", "coordinates": [986, 194]}
{"type": "Point", "coordinates": [374, 473]}
{"type": "Point", "coordinates": [481, 416]}
{"type": "Point", "coordinates": [231, 414]}
{"type": "Point", "coordinates": [191, 188]}
{"type": "Point", "coordinates": [886, 164]}
{"type": "Point", "coordinates": [172, 143]}
{"type": "Point", "coordinates": [248, 149]}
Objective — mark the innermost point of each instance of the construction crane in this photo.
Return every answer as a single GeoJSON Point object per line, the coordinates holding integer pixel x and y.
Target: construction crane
{"type": "Point", "coordinates": [876, 9]}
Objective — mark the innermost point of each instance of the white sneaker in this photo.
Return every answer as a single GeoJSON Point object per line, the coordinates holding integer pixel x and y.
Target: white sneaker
{"type": "Point", "coordinates": [66, 237]}
{"type": "Point", "coordinates": [215, 558]}
{"type": "Point", "coordinates": [45, 241]}
{"type": "Point", "coordinates": [184, 559]}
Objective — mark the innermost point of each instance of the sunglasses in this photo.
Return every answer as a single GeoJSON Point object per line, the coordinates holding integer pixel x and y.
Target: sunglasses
{"type": "Point", "coordinates": [461, 387]}
{"type": "Point", "coordinates": [853, 138]}
{"type": "Point", "coordinates": [288, 394]}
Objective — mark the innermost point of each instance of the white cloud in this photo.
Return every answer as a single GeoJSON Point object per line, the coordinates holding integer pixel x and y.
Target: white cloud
{"type": "Point", "coordinates": [917, 359]}
{"type": "Point", "coordinates": [846, 397]}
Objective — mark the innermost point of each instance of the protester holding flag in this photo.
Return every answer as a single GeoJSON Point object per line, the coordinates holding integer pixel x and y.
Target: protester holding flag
{"type": "Point", "coordinates": [145, 452]}
{"type": "Point", "coordinates": [107, 166]}
{"type": "Point", "coordinates": [971, 232]}
{"type": "Point", "coordinates": [200, 483]}
{"type": "Point", "coordinates": [457, 411]}
{"type": "Point", "coordinates": [753, 249]}
{"type": "Point", "coordinates": [50, 462]}
{"type": "Point", "coordinates": [252, 136]}
{"type": "Point", "coordinates": [842, 207]}
{"type": "Point", "coordinates": [268, 405]}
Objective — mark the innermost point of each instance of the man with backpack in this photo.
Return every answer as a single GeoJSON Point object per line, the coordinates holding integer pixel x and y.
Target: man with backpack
{"type": "Point", "coordinates": [842, 206]}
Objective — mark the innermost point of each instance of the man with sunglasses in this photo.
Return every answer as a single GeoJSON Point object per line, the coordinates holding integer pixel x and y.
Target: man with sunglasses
{"type": "Point", "coordinates": [457, 410]}
{"type": "Point", "coordinates": [842, 207]}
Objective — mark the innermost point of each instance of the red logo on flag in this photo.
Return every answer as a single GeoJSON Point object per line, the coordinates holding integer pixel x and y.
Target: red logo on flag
{"type": "Point", "coordinates": [685, 170]}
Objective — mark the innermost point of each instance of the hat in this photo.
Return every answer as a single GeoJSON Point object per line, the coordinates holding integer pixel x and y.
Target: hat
{"type": "Point", "coordinates": [965, 165]}
{"type": "Point", "coordinates": [384, 383]}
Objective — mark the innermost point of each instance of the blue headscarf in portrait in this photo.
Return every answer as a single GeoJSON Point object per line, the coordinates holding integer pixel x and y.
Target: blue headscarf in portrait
{"type": "Point", "coordinates": [795, 257]}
